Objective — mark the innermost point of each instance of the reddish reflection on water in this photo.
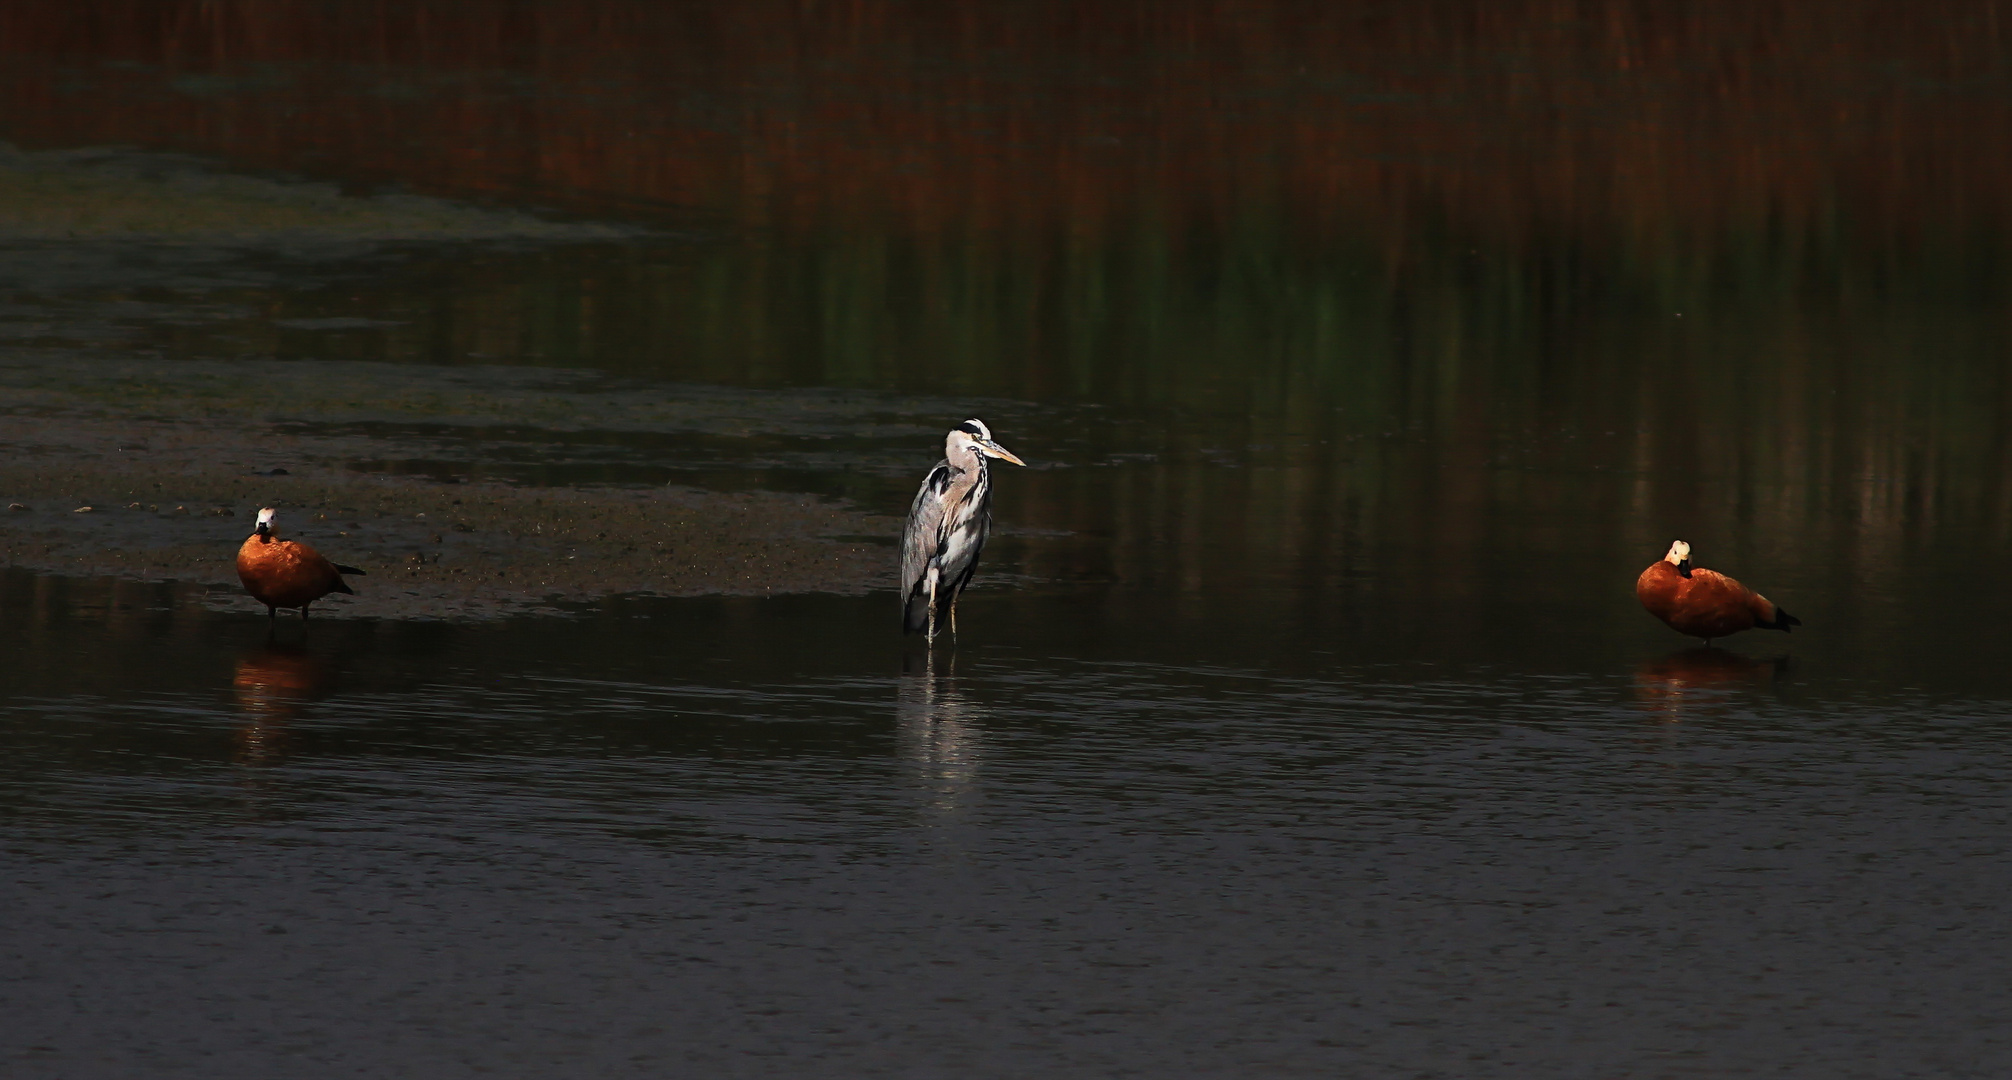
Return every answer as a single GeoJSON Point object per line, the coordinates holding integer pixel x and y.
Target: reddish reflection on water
{"type": "Point", "coordinates": [1699, 679]}
{"type": "Point", "coordinates": [272, 684]}
{"type": "Point", "coordinates": [1518, 117]}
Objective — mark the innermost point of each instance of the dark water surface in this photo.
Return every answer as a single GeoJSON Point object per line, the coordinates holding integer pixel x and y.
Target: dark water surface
{"type": "Point", "coordinates": [1304, 721]}
{"type": "Point", "coordinates": [746, 837]}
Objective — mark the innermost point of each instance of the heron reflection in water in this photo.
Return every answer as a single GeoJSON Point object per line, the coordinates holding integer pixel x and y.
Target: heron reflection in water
{"type": "Point", "coordinates": [272, 683]}
{"type": "Point", "coordinates": [947, 526]}
{"type": "Point", "coordinates": [938, 732]}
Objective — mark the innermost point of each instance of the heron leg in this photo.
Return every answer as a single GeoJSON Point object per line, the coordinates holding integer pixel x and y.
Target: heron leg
{"type": "Point", "coordinates": [932, 604]}
{"type": "Point", "coordinates": [953, 617]}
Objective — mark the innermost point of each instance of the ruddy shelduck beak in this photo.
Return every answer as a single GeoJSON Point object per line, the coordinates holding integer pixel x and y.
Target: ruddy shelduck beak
{"type": "Point", "coordinates": [993, 449]}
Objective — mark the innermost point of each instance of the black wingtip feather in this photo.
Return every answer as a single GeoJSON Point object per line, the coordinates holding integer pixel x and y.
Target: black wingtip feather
{"type": "Point", "coordinates": [341, 569]}
{"type": "Point", "coordinates": [1782, 621]}
{"type": "Point", "coordinates": [915, 615]}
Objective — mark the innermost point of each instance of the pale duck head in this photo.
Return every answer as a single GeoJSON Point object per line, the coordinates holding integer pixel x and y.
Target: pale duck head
{"type": "Point", "coordinates": [1680, 557]}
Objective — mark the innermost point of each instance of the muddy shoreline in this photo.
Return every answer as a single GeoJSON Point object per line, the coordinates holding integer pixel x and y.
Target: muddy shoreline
{"type": "Point", "coordinates": [162, 500]}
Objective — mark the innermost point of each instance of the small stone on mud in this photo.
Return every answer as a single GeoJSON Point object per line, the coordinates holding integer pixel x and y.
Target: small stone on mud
{"type": "Point", "coordinates": [17, 506]}
{"type": "Point", "coordinates": [81, 510]}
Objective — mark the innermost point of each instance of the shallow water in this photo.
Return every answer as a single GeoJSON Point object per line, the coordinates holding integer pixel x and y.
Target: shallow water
{"type": "Point", "coordinates": [1303, 720]}
{"type": "Point", "coordinates": [742, 835]}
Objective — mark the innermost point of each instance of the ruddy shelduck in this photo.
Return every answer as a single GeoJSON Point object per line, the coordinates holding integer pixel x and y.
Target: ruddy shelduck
{"type": "Point", "coordinates": [286, 573]}
{"type": "Point", "coordinates": [1705, 603]}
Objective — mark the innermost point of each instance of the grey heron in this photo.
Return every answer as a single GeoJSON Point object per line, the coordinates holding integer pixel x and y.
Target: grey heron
{"type": "Point", "coordinates": [946, 528]}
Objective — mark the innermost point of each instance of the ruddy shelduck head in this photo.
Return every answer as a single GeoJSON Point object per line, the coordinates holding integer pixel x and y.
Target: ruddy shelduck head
{"type": "Point", "coordinates": [1680, 557]}
{"type": "Point", "coordinates": [264, 528]}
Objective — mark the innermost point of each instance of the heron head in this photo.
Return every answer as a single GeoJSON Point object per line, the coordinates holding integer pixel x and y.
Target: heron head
{"type": "Point", "coordinates": [264, 527]}
{"type": "Point", "coordinates": [974, 436]}
{"type": "Point", "coordinates": [1680, 557]}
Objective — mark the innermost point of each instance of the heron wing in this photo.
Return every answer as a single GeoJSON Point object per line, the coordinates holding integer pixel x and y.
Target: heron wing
{"type": "Point", "coordinates": [923, 537]}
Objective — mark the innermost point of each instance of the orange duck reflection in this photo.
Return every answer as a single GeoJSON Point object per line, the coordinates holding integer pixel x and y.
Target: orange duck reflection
{"type": "Point", "coordinates": [272, 683]}
{"type": "Point", "coordinates": [1698, 677]}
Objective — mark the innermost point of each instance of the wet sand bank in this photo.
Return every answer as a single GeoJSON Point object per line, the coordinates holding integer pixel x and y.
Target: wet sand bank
{"type": "Point", "coordinates": [171, 500]}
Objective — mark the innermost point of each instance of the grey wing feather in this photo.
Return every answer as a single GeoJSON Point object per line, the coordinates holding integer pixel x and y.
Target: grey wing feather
{"type": "Point", "coordinates": [923, 537]}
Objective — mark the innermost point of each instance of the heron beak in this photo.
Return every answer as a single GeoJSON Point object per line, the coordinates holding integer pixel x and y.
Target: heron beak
{"type": "Point", "coordinates": [993, 449]}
